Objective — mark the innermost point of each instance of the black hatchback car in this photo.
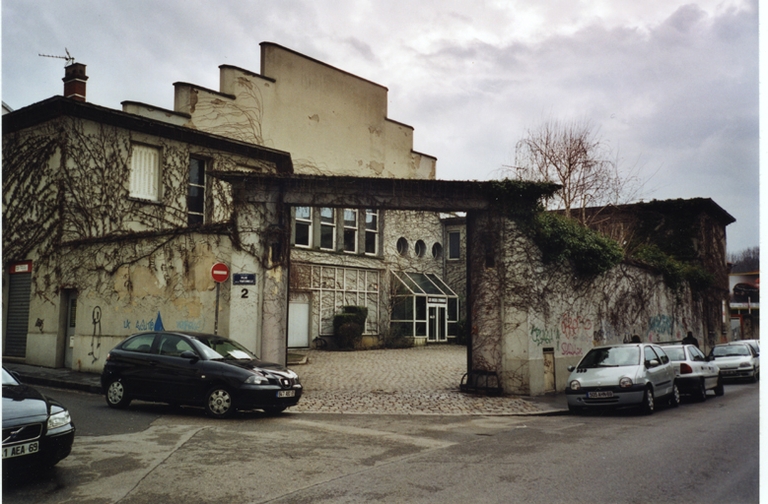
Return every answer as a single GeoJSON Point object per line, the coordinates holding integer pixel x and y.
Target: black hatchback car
{"type": "Point", "coordinates": [199, 370]}
{"type": "Point", "coordinates": [37, 430]}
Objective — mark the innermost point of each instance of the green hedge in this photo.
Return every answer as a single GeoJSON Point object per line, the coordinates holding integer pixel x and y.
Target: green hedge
{"type": "Point", "coordinates": [348, 326]}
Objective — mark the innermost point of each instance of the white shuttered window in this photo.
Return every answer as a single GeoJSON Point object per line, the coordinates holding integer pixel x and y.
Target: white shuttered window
{"type": "Point", "coordinates": [145, 173]}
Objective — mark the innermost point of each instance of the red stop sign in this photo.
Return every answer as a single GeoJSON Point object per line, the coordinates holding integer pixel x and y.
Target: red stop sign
{"type": "Point", "coordinates": [220, 272]}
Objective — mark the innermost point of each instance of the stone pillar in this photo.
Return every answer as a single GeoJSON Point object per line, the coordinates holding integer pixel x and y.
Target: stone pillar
{"type": "Point", "coordinates": [263, 227]}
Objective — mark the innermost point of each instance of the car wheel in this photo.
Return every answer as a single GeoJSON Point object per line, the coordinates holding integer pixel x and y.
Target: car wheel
{"type": "Point", "coordinates": [719, 388]}
{"type": "Point", "coordinates": [674, 399]}
{"type": "Point", "coordinates": [648, 402]}
{"type": "Point", "coordinates": [274, 410]}
{"type": "Point", "coordinates": [219, 403]}
{"type": "Point", "coordinates": [701, 392]}
{"type": "Point", "coordinates": [755, 377]}
{"type": "Point", "coordinates": [117, 395]}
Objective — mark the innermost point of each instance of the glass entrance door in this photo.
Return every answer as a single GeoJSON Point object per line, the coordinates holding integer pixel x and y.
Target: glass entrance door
{"type": "Point", "coordinates": [437, 324]}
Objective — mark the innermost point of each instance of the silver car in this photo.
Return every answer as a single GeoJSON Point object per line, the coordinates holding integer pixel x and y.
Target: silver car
{"type": "Point", "coordinates": [694, 372]}
{"type": "Point", "coordinates": [622, 375]}
{"type": "Point", "coordinates": [736, 360]}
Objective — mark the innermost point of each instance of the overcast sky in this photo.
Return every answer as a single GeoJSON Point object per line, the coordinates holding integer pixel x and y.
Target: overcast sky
{"type": "Point", "coordinates": [671, 85]}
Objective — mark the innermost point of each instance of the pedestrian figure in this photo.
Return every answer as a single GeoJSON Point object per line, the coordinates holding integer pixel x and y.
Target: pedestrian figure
{"type": "Point", "coordinates": [690, 340]}
{"type": "Point", "coordinates": [636, 339]}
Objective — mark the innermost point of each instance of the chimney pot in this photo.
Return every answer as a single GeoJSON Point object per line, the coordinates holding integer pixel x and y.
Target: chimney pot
{"type": "Point", "coordinates": [74, 81]}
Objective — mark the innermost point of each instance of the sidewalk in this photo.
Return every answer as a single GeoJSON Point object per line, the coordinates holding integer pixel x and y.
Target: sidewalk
{"type": "Point", "coordinates": [422, 381]}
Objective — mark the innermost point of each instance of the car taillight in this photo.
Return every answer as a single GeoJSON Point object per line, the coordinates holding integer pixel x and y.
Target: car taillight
{"type": "Point", "coordinates": [685, 368]}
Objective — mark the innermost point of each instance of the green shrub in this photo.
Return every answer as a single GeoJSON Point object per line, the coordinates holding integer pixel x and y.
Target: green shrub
{"type": "Point", "coordinates": [562, 239]}
{"type": "Point", "coordinates": [348, 326]}
{"type": "Point", "coordinates": [675, 272]}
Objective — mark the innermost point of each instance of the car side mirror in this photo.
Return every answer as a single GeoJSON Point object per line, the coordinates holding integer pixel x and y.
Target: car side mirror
{"type": "Point", "coordinates": [651, 363]}
{"type": "Point", "coordinates": [571, 368]}
{"type": "Point", "coordinates": [189, 354]}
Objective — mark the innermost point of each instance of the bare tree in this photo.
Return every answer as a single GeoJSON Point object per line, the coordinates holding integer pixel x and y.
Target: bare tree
{"type": "Point", "coordinates": [572, 154]}
{"type": "Point", "coordinates": [745, 261]}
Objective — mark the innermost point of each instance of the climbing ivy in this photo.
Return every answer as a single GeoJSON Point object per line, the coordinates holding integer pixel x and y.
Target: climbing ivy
{"type": "Point", "coordinates": [563, 239]}
{"type": "Point", "coordinates": [675, 272]}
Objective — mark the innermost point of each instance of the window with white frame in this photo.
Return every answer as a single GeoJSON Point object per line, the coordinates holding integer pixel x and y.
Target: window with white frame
{"type": "Point", "coordinates": [145, 173]}
{"type": "Point", "coordinates": [327, 229]}
{"type": "Point", "coordinates": [303, 227]}
{"type": "Point", "coordinates": [371, 231]}
{"type": "Point", "coordinates": [350, 230]}
{"type": "Point", "coordinates": [196, 194]}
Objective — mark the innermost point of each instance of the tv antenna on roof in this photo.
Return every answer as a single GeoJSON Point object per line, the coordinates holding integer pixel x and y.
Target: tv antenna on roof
{"type": "Point", "coordinates": [70, 59]}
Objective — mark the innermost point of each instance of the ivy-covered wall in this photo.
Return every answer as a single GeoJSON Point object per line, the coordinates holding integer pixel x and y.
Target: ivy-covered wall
{"type": "Point", "coordinates": [525, 306]}
{"type": "Point", "coordinates": [134, 265]}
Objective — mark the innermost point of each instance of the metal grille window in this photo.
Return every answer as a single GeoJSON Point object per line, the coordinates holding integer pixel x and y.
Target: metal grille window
{"type": "Point", "coordinates": [303, 227]}
{"type": "Point", "coordinates": [350, 230]}
{"type": "Point", "coordinates": [335, 287]}
{"type": "Point", "coordinates": [327, 229]}
{"type": "Point", "coordinates": [145, 173]}
{"type": "Point", "coordinates": [196, 194]}
{"type": "Point", "coordinates": [371, 232]}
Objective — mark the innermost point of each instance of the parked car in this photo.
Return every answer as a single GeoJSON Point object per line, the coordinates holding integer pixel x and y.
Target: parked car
{"type": "Point", "coordinates": [736, 360]}
{"type": "Point", "coordinates": [694, 373]}
{"type": "Point", "coordinates": [37, 430]}
{"type": "Point", "coordinates": [196, 369]}
{"type": "Point", "coordinates": [622, 375]}
{"type": "Point", "coordinates": [755, 343]}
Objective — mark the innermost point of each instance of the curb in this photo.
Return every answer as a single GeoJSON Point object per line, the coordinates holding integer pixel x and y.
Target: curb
{"type": "Point", "coordinates": [49, 382]}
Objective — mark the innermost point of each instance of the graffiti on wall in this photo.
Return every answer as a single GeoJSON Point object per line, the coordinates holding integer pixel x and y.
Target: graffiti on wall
{"type": "Point", "coordinates": [152, 324]}
{"type": "Point", "coordinates": [541, 336]}
{"type": "Point", "coordinates": [94, 354]}
{"type": "Point", "coordinates": [573, 329]}
{"type": "Point", "coordinates": [660, 328]}
{"type": "Point", "coordinates": [156, 324]}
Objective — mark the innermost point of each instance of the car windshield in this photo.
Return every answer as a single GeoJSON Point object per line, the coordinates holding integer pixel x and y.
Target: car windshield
{"type": "Point", "coordinates": [675, 353]}
{"type": "Point", "coordinates": [221, 348]}
{"type": "Point", "coordinates": [8, 378]}
{"type": "Point", "coordinates": [730, 350]}
{"type": "Point", "coordinates": [611, 357]}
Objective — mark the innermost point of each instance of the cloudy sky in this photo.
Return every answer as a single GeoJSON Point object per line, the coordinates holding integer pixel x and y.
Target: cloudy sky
{"type": "Point", "coordinates": [671, 86]}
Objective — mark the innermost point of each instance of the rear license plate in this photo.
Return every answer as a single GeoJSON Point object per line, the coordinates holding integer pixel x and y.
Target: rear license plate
{"type": "Point", "coordinates": [286, 393]}
{"type": "Point", "coordinates": [599, 395]}
{"type": "Point", "coordinates": [19, 450]}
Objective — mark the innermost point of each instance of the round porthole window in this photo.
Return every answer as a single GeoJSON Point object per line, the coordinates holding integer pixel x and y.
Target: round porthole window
{"type": "Point", "coordinates": [420, 248]}
{"type": "Point", "coordinates": [402, 247]}
{"type": "Point", "coordinates": [437, 251]}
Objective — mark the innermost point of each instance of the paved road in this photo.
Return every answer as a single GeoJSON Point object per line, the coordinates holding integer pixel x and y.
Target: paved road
{"type": "Point", "coordinates": [701, 452]}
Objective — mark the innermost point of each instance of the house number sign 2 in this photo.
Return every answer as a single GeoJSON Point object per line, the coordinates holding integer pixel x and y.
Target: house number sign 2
{"type": "Point", "coordinates": [244, 279]}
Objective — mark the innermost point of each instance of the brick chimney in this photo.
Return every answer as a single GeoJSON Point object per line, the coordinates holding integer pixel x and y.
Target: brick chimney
{"type": "Point", "coordinates": [74, 81]}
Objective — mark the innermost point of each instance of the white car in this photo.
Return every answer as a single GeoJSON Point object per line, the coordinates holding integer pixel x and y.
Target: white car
{"type": "Point", "coordinates": [622, 375]}
{"type": "Point", "coordinates": [736, 360]}
{"type": "Point", "coordinates": [695, 373]}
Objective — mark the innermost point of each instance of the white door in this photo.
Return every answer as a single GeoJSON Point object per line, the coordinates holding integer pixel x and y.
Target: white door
{"type": "Point", "coordinates": [298, 325]}
{"type": "Point", "coordinates": [71, 326]}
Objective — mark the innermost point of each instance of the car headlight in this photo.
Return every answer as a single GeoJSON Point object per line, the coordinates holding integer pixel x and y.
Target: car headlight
{"type": "Point", "coordinates": [745, 364]}
{"type": "Point", "coordinates": [625, 382]}
{"type": "Point", "coordinates": [256, 380]}
{"type": "Point", "coordinates": [58, 420]}
{"type": "Point", "coordinates": [575, 385]}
